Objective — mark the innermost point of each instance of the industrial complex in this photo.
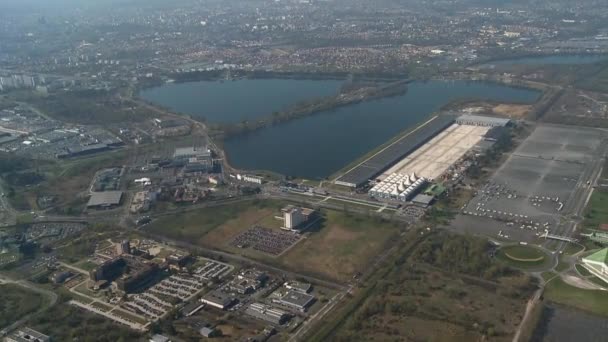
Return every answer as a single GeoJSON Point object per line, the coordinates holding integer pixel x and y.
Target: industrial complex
{"type": "Point", "coordinates": [401, 170]}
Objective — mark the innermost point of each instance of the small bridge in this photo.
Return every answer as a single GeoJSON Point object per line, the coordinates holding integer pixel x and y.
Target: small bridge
{"type": "Point", "coordinates": [558, 237]}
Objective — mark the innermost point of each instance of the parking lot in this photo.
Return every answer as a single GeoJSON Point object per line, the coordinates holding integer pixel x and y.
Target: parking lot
{"type": "Point", "coordinates": [535, 187]}
{"type": "Point", "coordinates": [266, 240]}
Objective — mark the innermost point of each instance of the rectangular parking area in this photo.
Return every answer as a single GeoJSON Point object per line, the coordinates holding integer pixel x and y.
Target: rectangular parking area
{"type": "Point", "coordinates": [266, 240]}
{"type": "Point", "coordinates": [533, 188]}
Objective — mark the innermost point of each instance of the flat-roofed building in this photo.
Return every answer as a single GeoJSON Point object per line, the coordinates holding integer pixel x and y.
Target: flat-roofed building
{"type": "Point", "coordinates": [218, 299]}
{"type": "Point", "coordinates": [105, 199]}
{"type": "Point", "coordinates": [479, 120]}
{"type": "Point", "coordinates": [597, 263]}
{"type": "Point", "coordinates": [296, 300]}
{"type": "Point", "coordinates": [191, 152]}
{"type": "Point", "coordinates": [26, 334]}
{"type": "Point", "coordinates": [267, 313]}
{"type": "Point", "coordinates": [298, 286]}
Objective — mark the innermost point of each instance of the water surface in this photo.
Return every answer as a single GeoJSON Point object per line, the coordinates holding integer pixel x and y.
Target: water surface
{"type": "Point", "coordinates": [319, 145]}
{"type": "Point", "coordinates": [238, 100]}
{"type": "Point", "coordinates": [551, 59]}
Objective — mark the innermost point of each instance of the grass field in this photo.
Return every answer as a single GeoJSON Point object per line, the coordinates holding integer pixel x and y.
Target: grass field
{"type": "Point", "coordinates": [522, 256]}
{"type": "Point", "coordinates": [582, 270]}
{"type": "Point", "coordinates": [548, 275]}
{"type": "Point", "coordinates": [16, 302]}
{"type": "Point", "coordinates": [340, 246]}
{"type": "Point", "coordinates": [193, 226]}
{"type": "Point", "coordinates": [562, 266]}
{"type": "Point", "coordinates": [343, 245]}
{"type": "Point", "coordinates": [598, 281]}
{"type": "Point", "coordinates": [573, 248]}
{"type": "Point", "coordinates": [596, 211]}
{"type": "Point", "coordinates": [588, 300]}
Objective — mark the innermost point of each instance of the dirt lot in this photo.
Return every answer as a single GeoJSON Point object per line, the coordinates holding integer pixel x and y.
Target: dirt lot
{"type": "Point", "coordinates": [512, 110]}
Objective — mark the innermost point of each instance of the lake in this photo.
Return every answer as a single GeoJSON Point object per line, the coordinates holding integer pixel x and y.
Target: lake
{"type": "Point", "coordinates": [550, 59]}
{"type": "Point", "coordinates": [238, 100]}
{"type": "Point", "coordinates": [317, 146]}
{"type": "Point", "coordinates": [560, 323]}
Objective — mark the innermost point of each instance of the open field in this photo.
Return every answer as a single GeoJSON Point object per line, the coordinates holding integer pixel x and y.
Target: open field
{"type": "Point", "coordinates": [343, 245]}
{"type": "Point", "coordinates": [339, 246]}
{"type": "Point", "coordinates": [523, 253]}
{"type": "Point", "coordinates": [593, 301]}
{"type": "Point", "coordinates": [522, 257]}
{"type": "Point", "coordinates": [582, 270]}
{"type": "Point", "coordinates": [194, 226]}
{"type": "Point", "coordinates": [596, 212]}
{"type": "Point", "coordinates": [68, 323]}
{"type": "Point", "coordinates": [68, 181]}
{"type": "Point", "coordinates": [513, 111]}
{"type": "Point", "coordinates": [16, 302]}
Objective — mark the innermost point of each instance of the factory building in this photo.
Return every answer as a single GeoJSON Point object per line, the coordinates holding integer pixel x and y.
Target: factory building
{"type": "Point", "coordinates": [298, 286]}
{"type": "Point", "coordinates": [218, 299]}
{"type": "Point", "coordinates": [191, 152]}
{"type": "Point", "coordinates": [486, 121]}
{"type": "Point", "coordinates": [398, 187]}
{"type": "Point", "coordinates": [105, 200]}
{"type": "Point", "coordinates": [396, 151]}
{"type": "Point", "coordinates": [267, 313]}
{"type": "Point", "coordinates": [249, 178]}
{"type": "Point", "coordinates": [296, 300]}
{"type": "Point", "coordinates": [194, 159]}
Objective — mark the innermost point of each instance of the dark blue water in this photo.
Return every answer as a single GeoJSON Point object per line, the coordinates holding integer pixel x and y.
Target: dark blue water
{"type": "Point", "coordinates": [319, 145]}
{"type": "Point", "coordinates": [553, 59]}
{"type": "Point", "coordinates": [235, 101]}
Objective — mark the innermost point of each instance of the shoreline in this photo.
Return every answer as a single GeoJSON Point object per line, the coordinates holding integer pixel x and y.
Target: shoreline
{"type": "Point", "coordinates": [218, 132]}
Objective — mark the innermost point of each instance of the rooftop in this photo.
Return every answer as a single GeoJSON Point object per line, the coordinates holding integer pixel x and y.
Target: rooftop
{"type": "Point", "coordinates": [191, 151]}
{"type": "Point", "coordinates": [297, 298]}
{"type": "Point", "coordinates": [30, 335]}
{"type": "Point", "coordinates": [484, 119]}
{"type": "Point", "coordinates": [105, 198]}
{"type": "Point", "coordinates": [159, 338]}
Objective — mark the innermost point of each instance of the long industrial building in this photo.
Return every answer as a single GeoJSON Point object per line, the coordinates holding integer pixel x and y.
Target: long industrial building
{"type": "Point", "coordinates": [435, 157]}
{"type": "Point", "coordinates": [394, 152]}
{"type": "Point", "coordinates": [428, 151]}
